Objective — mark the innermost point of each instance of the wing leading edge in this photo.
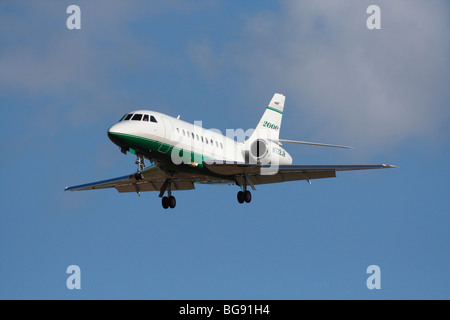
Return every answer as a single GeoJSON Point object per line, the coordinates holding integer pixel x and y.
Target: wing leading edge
{"type": "Point", "coordinates": [154, 179]}
{"type": "Point", "coordinates": [255, 174]}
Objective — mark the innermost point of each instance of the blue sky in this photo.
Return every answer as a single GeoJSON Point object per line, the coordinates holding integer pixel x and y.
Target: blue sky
{"type": "Point", "coordinates": [385, 92]}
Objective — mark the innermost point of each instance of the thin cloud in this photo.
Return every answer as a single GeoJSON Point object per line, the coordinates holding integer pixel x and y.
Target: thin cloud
{"type": "Point", "coordinates": [380, 87]}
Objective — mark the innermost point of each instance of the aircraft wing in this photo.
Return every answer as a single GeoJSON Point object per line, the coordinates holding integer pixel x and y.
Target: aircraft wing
{"type": "Point", "coordinates": [153, 180]}
{"type": "Point", "coordinates": [263, 174]}
{"type": "Point", "coordinates": [254, 174]}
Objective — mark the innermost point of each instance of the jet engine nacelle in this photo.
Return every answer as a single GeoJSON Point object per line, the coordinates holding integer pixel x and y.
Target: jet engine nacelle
{"type": "Point", "coordinates": [259, 151]}
{"type": "Point", "coordinates": [267, 152]}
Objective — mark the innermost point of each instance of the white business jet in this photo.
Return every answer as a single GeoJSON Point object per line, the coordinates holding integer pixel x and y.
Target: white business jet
{"type": "Point", "coordinates": [183, 154]}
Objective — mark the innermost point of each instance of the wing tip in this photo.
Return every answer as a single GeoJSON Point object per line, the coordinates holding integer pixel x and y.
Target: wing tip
{"type": "Point", "coordinates": [386, 166]}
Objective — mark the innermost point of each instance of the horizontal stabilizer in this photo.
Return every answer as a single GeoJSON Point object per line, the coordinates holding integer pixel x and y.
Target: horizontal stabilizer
{"type": "Point", "coordinates": [313, 144]}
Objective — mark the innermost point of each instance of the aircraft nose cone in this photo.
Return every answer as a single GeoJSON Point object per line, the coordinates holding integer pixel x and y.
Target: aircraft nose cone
{"type": "Point", "coordinates": [112, 129]}
{"type": "Point", "coordinates": [114, 133]}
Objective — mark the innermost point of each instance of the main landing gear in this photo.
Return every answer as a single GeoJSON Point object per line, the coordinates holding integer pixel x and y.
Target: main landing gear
{"type": "Point", "coordinates": [168, 201]}
{"type": "Point", "coordinates": [245, 195]}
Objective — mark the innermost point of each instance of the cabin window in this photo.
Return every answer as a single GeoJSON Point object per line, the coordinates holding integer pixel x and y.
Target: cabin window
{"type": "Point", "coordinates": [145, 118]}
{"type": "Point", "coordinates": [184, 133]}
{"type": "Point", "coordinates": [178, 130]}
{"type": "Point", "coordinates": [152, 119]}
{"type": "Point", "coordinates": [202, 139]}
{"type": "Point", "coordinates": [212, 142]}
{"type": "Point", "coordinates": [192, 135]}
{"type": "Point", "coordinates": [137, 117]}
{"type": "Point", "coordinates": [217, 145]}
{"type": "Point", "coordinates": [197, 137]}
{"type": "Point", "coordinates": [206, 139]}
{"type": "Point", "coordinates": [221, 145]}
{"type": "Point", "coordinates": [128, 117]}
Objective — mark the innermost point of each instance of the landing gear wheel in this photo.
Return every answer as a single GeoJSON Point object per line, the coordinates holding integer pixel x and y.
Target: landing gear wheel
{"type": "Point", "coordinates": [241, 197]}
{"type": "Point", "coordinates": [139, 176]}
{"type": "Point", "coordinates": [247, 196]}
{"type": "Point", "coordinates": [165, 202]}
{"type": "Point", "coordinates": [172, 202]}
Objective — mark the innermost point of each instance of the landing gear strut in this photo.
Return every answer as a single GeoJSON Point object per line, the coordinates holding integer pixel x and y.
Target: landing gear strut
{"type": "Point", "coordinates": [141, 164]}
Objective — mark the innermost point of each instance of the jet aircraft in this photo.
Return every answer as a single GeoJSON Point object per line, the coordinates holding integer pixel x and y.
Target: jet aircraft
{"type": "Point", "coordinates": [182, 154]}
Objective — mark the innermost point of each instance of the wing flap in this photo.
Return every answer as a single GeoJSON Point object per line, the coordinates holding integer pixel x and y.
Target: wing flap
{"type": "Point", "coordinates": [231, 169]}
{"type": "Point", "coordinates": [284, 177]}
{"type": "Point", "coordinates": [155, 186]}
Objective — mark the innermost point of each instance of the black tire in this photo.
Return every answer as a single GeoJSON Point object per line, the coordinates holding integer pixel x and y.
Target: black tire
{"type": "Point", "coordinates": [241, 197]}
{"type": "Point", "coordinates": [165, 202]}
{"type": "Point", "coordinates": [247, 196]}
{"type": "Point", "coordinates": [172, 202]}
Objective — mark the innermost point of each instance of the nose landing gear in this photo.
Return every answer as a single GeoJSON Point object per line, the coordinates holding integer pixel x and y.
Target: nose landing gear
{"type": "Point", "coordinates": [140, 161]}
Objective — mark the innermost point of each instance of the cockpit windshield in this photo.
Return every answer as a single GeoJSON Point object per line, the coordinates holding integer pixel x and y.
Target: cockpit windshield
{"type": "Point", "coordinates": [138, 117]}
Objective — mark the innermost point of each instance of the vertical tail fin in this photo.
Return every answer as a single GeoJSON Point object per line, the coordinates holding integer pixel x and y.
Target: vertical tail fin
{"type": "Point", "coordinates": [270, 123]}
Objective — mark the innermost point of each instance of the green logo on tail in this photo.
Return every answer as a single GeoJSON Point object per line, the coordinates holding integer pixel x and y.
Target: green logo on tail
{"type": "Point", "coordinates": [270, 125]}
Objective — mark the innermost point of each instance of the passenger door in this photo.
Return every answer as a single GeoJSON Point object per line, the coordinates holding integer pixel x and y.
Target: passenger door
{"type": "Point", "coordinates": [168, 128]}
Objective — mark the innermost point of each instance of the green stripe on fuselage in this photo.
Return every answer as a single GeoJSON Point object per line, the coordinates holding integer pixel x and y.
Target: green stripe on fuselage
{"type": "Point", "coordinates": [162, 149]}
